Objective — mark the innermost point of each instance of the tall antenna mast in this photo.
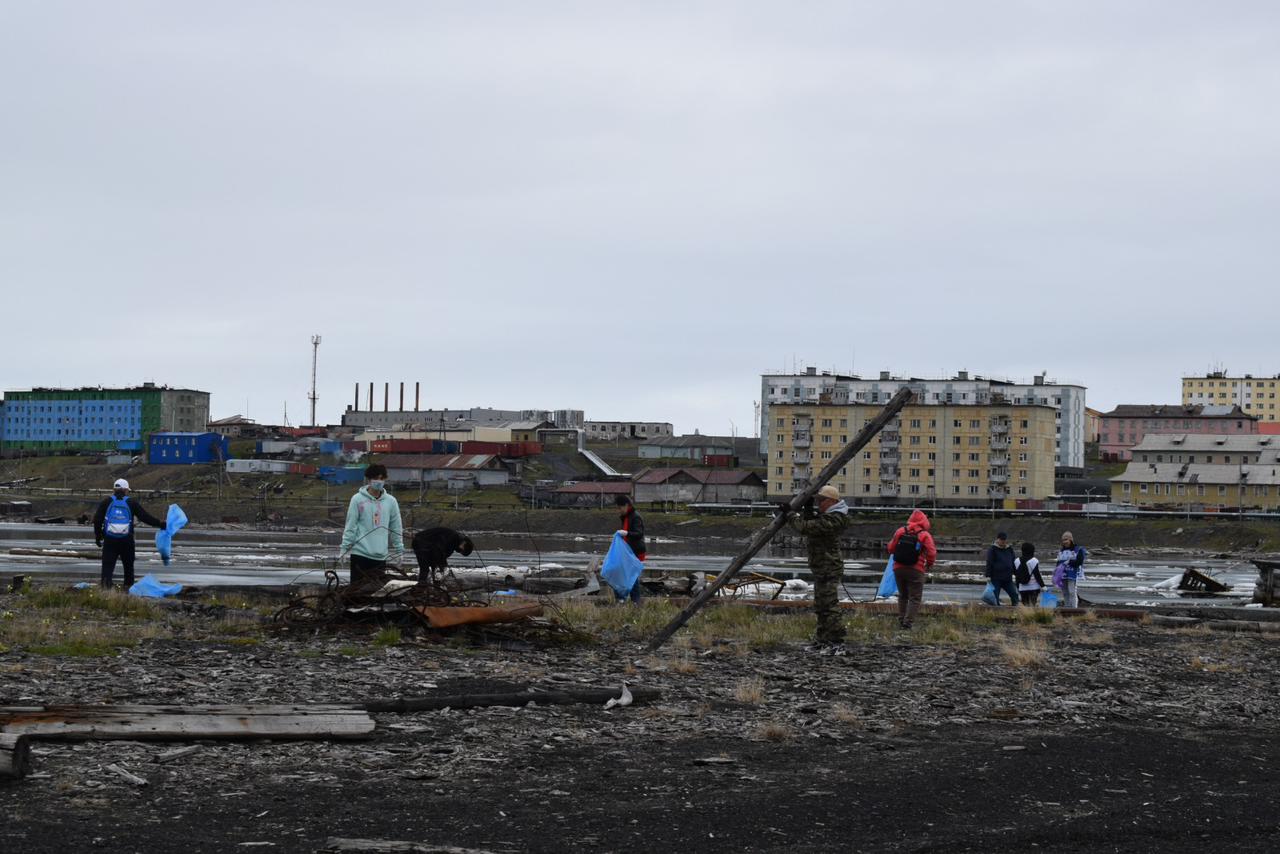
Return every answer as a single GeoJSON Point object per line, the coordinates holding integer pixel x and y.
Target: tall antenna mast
{"type": "Point", "coordinates": [315, 356]}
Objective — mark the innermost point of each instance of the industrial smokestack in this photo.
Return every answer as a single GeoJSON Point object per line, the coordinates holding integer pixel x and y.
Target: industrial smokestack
{"type": "Point", "coordinates": [386, 397]}
{"type": "Point", "coordinates": [370, 397]}
{"type": "Point", "coordinates": [357, 406]}
{"type": "Point", "coordinates": [417, 395]}
{"type": "Point", "coordinates": [402, 397]}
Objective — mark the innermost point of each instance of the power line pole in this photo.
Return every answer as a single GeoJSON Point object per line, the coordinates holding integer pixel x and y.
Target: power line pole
{"type": "Point", "coordinates": [315, 357]}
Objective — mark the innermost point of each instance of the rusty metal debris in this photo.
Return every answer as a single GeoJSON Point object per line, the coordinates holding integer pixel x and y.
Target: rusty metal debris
{"type": "Point", "coordinates": [1194, 579]}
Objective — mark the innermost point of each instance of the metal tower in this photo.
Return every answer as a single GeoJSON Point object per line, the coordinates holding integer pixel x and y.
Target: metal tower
{"type": "Point", "coordinates": [315, 356]}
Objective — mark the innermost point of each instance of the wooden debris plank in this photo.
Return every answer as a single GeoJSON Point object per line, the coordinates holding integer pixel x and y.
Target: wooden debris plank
{"type": "Point", "coordinates": [141, 723]}
{"type": "Point", "coordinates": [339, 845]}
{"type": "Point", "coordinates": [515, 698]}
{"type": "Point", "coordinates": [15, 755]}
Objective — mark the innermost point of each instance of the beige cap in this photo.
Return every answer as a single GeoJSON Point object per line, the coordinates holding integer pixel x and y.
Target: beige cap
{"type": "Point", "coordinates": [829, 491]}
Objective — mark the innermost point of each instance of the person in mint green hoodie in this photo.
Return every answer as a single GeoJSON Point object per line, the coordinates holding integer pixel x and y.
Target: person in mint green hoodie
{"type": "Point", "coordinates": [373, 535]}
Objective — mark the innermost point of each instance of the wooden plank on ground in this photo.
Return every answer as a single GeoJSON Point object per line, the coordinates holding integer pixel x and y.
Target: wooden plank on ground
{"type": "Point", "coordinates": [15, 755]}
{"type": "Point", "coordinates": [187, 723]}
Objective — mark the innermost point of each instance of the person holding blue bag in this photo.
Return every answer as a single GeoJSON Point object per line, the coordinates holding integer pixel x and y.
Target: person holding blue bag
{"type": "Point", "coordinates": [113, 531]}
{"type": "Point", "coordinates": [632, 530]}
{"type": "Point", "coordinates": [1070, 570]}
{"type": "Point", "coordinates": [1002, 567]}
{"type": "Point", "coordinates": [914, 552]}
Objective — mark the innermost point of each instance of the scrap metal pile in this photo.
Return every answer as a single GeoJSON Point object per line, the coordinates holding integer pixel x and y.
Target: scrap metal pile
{"type": "Point", "coordinates": [433, 603]}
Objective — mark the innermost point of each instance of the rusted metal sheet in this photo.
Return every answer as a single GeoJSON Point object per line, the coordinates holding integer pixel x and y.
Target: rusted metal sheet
{"type": "Point", "coordinates": [448, 617]}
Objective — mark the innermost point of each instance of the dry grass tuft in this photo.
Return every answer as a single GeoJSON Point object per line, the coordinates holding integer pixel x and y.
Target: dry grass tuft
{"type": "Point", "coordinates": [749, 691]}
{"type": "Point", "coordinates": [1209, 666]}
{"type": "Point", "coordinates": [1025, 652]}
{"type": "Point", "coordinates": [846, 714]}
{"type": "Point", "coordinates": [774, 731]}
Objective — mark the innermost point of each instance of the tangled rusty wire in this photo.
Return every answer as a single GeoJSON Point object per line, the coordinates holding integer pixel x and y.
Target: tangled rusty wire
{"type": "Point", "coordinates": [338, 600]}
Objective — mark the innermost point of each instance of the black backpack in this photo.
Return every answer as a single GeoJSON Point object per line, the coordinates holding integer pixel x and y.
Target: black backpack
{"type": "Point", "coordinates": [1023, 572]}
{"type": "Point", "coordinates": [907, 551]}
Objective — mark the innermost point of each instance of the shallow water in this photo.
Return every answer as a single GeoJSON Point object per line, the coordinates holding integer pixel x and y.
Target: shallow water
{"type": "Point", "coordinates": [235, 557]}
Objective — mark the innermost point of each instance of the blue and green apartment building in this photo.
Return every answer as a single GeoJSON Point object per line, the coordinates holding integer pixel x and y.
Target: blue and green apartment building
{"type": "Point", "coordinates": [50, 420]}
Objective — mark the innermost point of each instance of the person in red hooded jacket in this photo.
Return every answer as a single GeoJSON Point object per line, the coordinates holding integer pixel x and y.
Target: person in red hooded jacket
{"type": "Point", "coordinates": [914, 552]}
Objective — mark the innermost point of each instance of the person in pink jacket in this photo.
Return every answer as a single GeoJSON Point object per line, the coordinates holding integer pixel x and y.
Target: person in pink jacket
{"type": "Point", "coordinates": [914, 552]}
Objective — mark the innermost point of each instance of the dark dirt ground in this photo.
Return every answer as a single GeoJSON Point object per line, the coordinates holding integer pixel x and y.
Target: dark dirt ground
{"type": "Point", "coordinates": [1067, 736]}
{"type": "Point", "coordinates": [944, 789]}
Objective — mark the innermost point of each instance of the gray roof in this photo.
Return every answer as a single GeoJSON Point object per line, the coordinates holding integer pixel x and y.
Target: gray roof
{"type": "Point", "coordinates": [695, 441]}
{"type": "Point", "coordinates": [1200, 474]}
{"type": "Point", "coordinates": [1207, 442]}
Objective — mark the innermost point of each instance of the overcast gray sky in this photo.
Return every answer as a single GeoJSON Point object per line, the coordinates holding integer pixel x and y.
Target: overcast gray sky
{"type": "Point", "coordinates": [634, 208]}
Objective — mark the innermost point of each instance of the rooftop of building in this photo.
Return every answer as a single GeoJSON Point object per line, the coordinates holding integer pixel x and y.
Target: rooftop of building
{"type": "Point", "coordinates": [1177, 410]}
{"type": "Point", "coordinates": [597, 487]}
{"type": "Point", "coordinates": [1226, 375]}
{"type": "Point", "coordinates": [1207, 442]}
{"type": "Point", "coordinates": [136, 388]}
{"type": "Point", "coordinates": [437, 461]}
{"type": "Point", "coordinates": [960, 376]}
{"type": "Point", "coordinates": [714, 477]}
{"type": "Point", "coordinates": [695, 440]}
{"type": "Point", "coordinates": [1263, 474]}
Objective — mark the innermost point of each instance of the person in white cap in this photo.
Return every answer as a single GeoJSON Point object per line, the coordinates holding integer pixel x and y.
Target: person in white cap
{"type": "Point", "coordinates": [113, 531]}
{"type": "Point", "coordinates": [822, 531]}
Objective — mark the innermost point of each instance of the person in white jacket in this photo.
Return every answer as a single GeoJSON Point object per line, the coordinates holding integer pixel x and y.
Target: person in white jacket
{"type": "Point", "coordinates": [373, 536]}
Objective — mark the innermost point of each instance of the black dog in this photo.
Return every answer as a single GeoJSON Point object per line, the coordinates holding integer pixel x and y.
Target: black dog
{"type": "Point", "coordinates": [433, 546]}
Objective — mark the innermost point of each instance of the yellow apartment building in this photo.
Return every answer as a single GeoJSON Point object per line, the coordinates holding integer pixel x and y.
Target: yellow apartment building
{"type": "Point", "coordinates": [1255, 395]}
{"type": "Point", "coordinates": [961, 454]}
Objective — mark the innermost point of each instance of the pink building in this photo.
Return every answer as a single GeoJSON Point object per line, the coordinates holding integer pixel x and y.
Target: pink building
{"type": "Point", "coordinates": [1125, 426]}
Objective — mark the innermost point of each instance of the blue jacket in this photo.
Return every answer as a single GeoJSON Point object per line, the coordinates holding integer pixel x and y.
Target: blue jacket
{"type": "Point", "coordinates": [1000, 563]}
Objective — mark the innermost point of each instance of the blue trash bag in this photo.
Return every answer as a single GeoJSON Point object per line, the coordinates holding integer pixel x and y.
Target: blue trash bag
{"type": "Point", "coordinates": [621, 568]}
{"type": "Point", "coordinates": [989, 595]}
{"type": "Point", "coordinates": [152, 588]}
{"type": "Point", "coordinates": [1048, 599]}
{"type": "Point", "coordinates": [173, 523]}
{"type": "Point", "coordinates": [888, 583]}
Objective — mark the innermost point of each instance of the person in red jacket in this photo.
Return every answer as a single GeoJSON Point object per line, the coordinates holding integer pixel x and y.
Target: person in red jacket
{"type": "Point", "coordinates": [914, 552]}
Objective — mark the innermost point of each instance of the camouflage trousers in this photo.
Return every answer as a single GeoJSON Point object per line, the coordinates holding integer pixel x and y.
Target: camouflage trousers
{"type": "Point", "coordinates": [826, 603]}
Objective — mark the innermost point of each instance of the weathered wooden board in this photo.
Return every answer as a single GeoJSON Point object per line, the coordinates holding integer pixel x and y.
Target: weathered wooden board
{"type": "Point", "coordinates": [15, 755]}
{"type": "Point", "coordinates": [185, 723]}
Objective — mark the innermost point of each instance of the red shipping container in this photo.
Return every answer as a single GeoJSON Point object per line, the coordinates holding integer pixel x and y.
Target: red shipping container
{"type": "Point", "coordinates": [720, 460]}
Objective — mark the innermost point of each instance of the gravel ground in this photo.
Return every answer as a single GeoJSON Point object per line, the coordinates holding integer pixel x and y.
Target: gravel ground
{"type": "Point", "coordinates": [1093, 736]}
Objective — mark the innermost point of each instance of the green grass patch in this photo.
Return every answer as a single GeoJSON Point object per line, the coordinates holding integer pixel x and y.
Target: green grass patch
{"type": "Point", "coordinates": [386, 637]}
{"type": "Point", "coordinates": [77, 648]}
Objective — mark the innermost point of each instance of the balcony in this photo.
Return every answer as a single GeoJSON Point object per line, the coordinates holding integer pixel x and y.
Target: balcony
{"type": "Point", "coordinates": [801, 458]}
{"type": "Point", "coordinates": [998, 458]}
{"type": "Point", "coordinates": [890, 455]}
{"type": "Point", "coordinates": [998, 477]}
{"type": "Point", "coordinates": [802, 438]}
{"type": "Point", "coordinates": [890, 490]}
{"type": "Point", "coordinates": [999, 428]}
{"type": "Point", "coordinates": [890, 438]}
{"type": "Point", "coordinates": [889, 473]}
{"type": "Point", "coordinates": [997, 492]}
{"type": "Point", "coordinates": [999, 443]}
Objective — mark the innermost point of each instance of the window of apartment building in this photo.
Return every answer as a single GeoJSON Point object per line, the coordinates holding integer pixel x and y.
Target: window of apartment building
{"type": "Point", "coordinates": [844, 470]}
{"type": "Point", "coordinates": [778, 471]}
{"type": "Point", "coordinates": [826, 422]}
{"type": "Point", "coordinates": [844, 440]}
{"type": "Point", "coordinates": [914, 455]}
{"type": "Point", "coordinates": [1182, 490]}
{"type": "Point", "coordinates": [1222, 490]}
{"type": "Point", "coordinates": [974, 472]}
{"type": "Point", "coordinates": [955, 440]}
{"type": "Point", "coordinates": [932, 456]}
{"type": "Point", "coordinates": [914, 488]}
{"type": "Point", "coordinates": [913, 440]}
{"type": "Point", "coordinates": [1200, 490]}
{"type": "Point", "coordinates": [866, 455]}
{"type": "Point", "coordinates": [844, 422]}
{"type": "Point", "coordinates": [779, 454]}
{"type": "Point", "coordinates": [1022, 490]}
{"type": "Point", "coordinates": [1025, 424]}
{"type": "Point", "coordinates": [1022, 440]}
{"type": "Point", "coordinates": [866, 487]}
{"type": "Point", "coordinates": [1126, 488]}
{"type": "Point", "coordinates": [826, 455]}
{"type": "Point", "coordinates": [974, 424]}
{"type": "Point", "coordinates": [914, 473]}
{"type": "Point", "coordinates": [955, 490]}
{"type": "Point", "coordinates": [956, 424]}
{"type": "Point", "coordinates": [973, 490]}
{"type": "Point", "coordinates": [826, 438]}
{"type": "Point", "coordinates": [782, 422]}
{"type": "Point", "coordinates": [973, 458]}
{"type": "Point", "coordinates": [781, 438]}
{"type": "Point", "coordinates": [933, 423]}
{"type": "Point", "coordinates": [955, 474]}
{"type": "Point", "coordinates": [1207, 459]}
{"type": "Point", "coordinates": [974, 441]}
{"type": "Point", "coordinates": [866, 472]}
{"type": "Point", "coordinates": [1022, 457]}
{"type": "Point", "coordinates": [1142, 487]}
{"type": "Point", "coordinates": [933, 440]}
{"type": "Point", "coordinates": [1022, 474]}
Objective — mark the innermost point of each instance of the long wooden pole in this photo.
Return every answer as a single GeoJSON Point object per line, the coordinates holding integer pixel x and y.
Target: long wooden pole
{"type": "Point", "coordinates": [764, 535]}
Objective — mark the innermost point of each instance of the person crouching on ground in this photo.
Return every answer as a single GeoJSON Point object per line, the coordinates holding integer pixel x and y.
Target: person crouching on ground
{"type": "Point", "coordinates": [113, 531]}
{"type": "Point", "coordinates": [373, 535]}
{"type": "Point", "coordinates": [914, 553]}
{"type": "Point", "coordinates": [1030, 581]}
{"type": "Point", "coordinates": [822, 535]}
{"type": "Point", "coordinates": [1070, 570]}
{"type": "Point", "coordinates": [1001, 566]}
{"type": "Point", "coordinates": [433, 546]}
{"type": "Point", "coordinates": [631, 527]}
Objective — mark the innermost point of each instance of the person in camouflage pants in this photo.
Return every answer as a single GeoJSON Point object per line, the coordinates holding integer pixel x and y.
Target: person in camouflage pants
{"type": "Point", "coordinates": [823, 534]}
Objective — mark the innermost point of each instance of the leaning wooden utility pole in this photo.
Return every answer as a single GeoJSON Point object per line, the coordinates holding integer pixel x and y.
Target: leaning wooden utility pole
{"type": "Point", "coordinates": [762, 537]}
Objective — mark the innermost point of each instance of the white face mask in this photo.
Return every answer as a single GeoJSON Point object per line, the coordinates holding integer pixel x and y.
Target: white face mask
{"type": "Point", "coordinates": [377, 485]}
